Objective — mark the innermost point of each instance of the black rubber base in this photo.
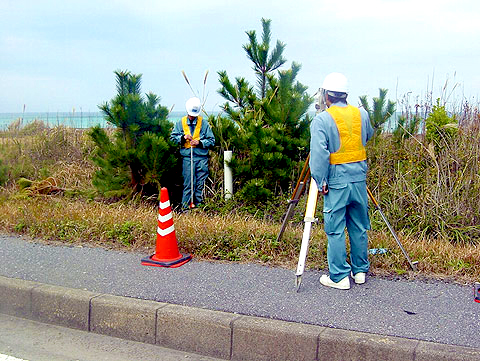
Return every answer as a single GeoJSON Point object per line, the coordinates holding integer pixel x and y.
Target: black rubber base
{"type": "Point", "coordinates": [148, 261]}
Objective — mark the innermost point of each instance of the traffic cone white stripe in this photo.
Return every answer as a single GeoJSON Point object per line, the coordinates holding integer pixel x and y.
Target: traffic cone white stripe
{"type": "Point", "coordinates": [165, 204]}
{"type": "Point", "coordinates": [166, 231]}
{"type": "Point", "coordinates": [165, 218]}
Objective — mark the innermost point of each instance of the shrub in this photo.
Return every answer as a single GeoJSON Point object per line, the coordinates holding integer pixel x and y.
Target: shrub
{"type": "Point", "coordinates": [440, 127]}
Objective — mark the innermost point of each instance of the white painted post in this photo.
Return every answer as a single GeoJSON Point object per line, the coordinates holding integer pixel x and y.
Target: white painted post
{"type": "Point", "coordinates": [227, 157]}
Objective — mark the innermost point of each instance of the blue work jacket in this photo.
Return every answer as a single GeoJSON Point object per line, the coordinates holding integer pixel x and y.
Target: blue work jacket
{"type": "Point", "coordinates": [207, 139]}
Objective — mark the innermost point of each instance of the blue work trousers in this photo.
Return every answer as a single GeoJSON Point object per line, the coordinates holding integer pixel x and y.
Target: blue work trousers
{"type": "Point", "coordinates": [346, 205]}
{"type": "Point", "coordinates": [200, 174]}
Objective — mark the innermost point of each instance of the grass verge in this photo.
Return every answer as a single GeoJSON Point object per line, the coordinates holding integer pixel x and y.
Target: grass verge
{"type": "Point", "coordinates": [232, 237]}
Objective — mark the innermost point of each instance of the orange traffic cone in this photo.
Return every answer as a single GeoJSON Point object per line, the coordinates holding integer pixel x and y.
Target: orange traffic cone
{"type": "Point", "coordinates": [166, 250]}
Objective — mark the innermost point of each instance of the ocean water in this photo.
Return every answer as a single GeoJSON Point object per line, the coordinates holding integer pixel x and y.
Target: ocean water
{"type": "Point", "coordinates": [90, 119]}
{"type": "Point", "coordinates": [68, 119]}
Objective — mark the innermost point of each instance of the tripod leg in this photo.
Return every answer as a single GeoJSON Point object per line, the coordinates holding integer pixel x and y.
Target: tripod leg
{"type": "Point", "coordinates": [291, 207]}
{"type": "Point", "coordinates": [309, 219]}
{"type": "Point", "coordinates": [297, 193]}
{"type": "Point", "coordinates": [413, 265]}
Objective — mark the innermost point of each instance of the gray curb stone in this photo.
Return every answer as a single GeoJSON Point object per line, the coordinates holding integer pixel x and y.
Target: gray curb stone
{"type": "Point", "coordinates": [211, 333]}
{"type": "Point", "coordinates": [257, 338]}
{"type": "Point", "coordinates": [427, 351]}
{"type": "Point", "coordinates": [62, 306]}
{"type": "Point", "coordinates": [195, 330]}
{"type": "Point", "coordinates": [123, 317]}
{"type": "Point", "coordinates": [341, 345]}
{"type": "Point", "coordinates": [16, 297]}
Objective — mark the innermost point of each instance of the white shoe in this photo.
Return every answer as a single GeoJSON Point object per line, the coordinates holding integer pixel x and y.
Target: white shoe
{"type": "Point", "coordinates": [341, 285]}
{"type": "Point", "coordinates": [359, 278]}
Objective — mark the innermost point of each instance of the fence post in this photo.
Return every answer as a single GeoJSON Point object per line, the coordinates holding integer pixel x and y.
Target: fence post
{"type": "Point", "coordinates": [228, 181]}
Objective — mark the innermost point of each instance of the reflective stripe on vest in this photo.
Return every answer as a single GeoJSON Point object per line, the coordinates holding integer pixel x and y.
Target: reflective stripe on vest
{"type": "Point", "coordinates": [349, 125]}
{"type": "Point", "coordinates": [196, 132]}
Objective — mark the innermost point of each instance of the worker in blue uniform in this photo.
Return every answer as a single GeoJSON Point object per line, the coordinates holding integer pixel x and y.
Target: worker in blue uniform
{"type": "Point", "coordinates": [195, 137]}
{"type": "Point", "coordinates": [339, 167]}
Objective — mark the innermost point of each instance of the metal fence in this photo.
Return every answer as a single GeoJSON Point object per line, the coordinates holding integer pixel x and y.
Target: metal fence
{"type": "Point", "coordinates": [68, 119]}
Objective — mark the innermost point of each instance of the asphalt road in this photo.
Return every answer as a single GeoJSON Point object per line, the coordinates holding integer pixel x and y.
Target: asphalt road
{"type": "Point", "coordinates": [431, 311]}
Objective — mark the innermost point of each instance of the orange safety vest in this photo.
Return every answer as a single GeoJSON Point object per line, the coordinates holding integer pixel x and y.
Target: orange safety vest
{"type": "Point", "coordinates": [196, 132]}
{"type": "Point", "coordinates": [349, 125]}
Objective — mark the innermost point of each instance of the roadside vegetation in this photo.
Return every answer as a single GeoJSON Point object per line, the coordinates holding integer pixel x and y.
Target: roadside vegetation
{"type": "Point", "coordinates": [99, 186]}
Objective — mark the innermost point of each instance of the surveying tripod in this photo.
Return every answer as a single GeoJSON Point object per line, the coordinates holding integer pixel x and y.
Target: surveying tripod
{"type": "Point", "coordinates": [310, 218]}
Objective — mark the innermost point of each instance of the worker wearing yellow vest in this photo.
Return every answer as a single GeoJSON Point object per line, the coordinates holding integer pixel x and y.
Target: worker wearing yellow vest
{"type": "Point", "coordinates": [338, 166]}
{"type": "Point", "coordinates": [195, 137]}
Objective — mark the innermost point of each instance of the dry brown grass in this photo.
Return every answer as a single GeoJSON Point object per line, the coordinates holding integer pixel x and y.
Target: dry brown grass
{"type": "Point", "coordinates": [232, 237]}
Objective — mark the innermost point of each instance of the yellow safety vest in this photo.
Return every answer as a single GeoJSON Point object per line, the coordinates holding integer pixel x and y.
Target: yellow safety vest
{"type": "Point", "coordinates": [196, 132]}
{"type": "Point", "coordinates": [349, 125]}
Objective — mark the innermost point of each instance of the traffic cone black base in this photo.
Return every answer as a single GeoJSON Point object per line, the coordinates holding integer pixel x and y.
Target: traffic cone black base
{"type": "Point", "coordinates": [149, 261]}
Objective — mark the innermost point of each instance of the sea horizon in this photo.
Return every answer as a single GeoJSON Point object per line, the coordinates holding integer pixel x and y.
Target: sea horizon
{"type": "Point", "coordinates": [85, 120]}
{"type": "Point", "coordinates": [68, 119]}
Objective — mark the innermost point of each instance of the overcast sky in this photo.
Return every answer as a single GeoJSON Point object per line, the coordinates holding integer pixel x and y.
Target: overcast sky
{"type": "Point", "coordinates": [57, 55]}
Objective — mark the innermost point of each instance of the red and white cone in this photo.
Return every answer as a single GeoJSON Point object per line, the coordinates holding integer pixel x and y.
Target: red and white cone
{"type": "Point", "coordinates": [166, 249]}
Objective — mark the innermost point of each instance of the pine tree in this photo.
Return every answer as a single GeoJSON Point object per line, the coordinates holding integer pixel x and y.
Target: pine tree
{"type": "Point", "coordinates": [382, 110]}
{"type": "Point", "coordinates": [140, 153]}
{"type": "Point", "coordinates": [266, 127]}
{"type": "Point", "coordinates": [263, 62]}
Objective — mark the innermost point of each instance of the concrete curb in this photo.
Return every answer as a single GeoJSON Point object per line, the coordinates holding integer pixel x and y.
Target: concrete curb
{"type": "Point", "coordinates": [210, 333]}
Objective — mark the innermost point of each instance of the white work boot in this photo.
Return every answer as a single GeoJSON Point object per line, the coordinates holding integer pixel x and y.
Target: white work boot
{"type": "Point", "coordinates": [343, 284]}
{"type": "Point", "coordinates": [359, 278]}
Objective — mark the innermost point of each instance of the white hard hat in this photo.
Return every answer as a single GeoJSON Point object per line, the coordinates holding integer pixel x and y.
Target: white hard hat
{"type": "Point", "coordinates": [336, 82]}
{"type": "Point", "coordinates": [193, 106]}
